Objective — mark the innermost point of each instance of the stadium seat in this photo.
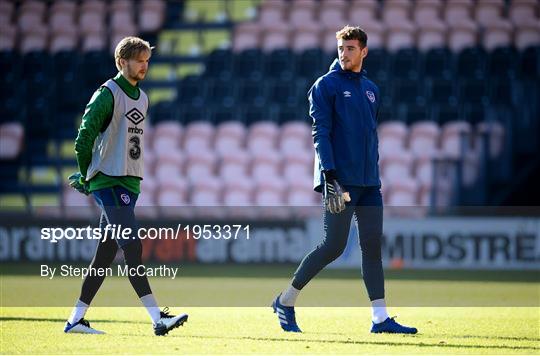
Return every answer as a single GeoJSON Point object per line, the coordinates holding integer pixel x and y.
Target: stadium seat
{"type": "Point", "coordinates": [46, 205]}
{"type": "Point", "coordinates": [501, 92]}
{"type": "Point", "coordinates": [458, 11]}
{"type": "Point", "coordinates": [362, 11]}
{"type": "Point", "coordinates": [152, 15]}
{"type": "Point", "coordinates": [473, 91]}
{"type": "Point", "coordinates": [167, 136]}
{"type": "Point", "coordinates": [295, 136]}
{"type": "Point", "coordinates": [396, 165]}
{"type": "Point", "coordinates": [285, 91]}
{"type": "Point", "coordinates": [400, 35]}
{"type": "Point", "coordinates": [455, 138]}
{"type": "Point", "coordinates": [218, 64]}
{"type": "Point", "coordinates": [437, 63]}
{"type": "Point", "coordinates": [172, 197]}
{"type": "Point", "coordinates": [405, 63]}
{"type": "Point", "coordinates": [76, 205]}
{"type": "Point", "coordinates": [403, 193]}
{"type": "Point", "coordinates": [392, 136]}
{"type": "Point", "coordinates": [200, 163]}
{"type": "Point", "coordinates": [527, 34]}
{"type": "Point", "coordinates": [238, 193]}
{"type": "Point", "coordinates": [272, 12]}
{"type": "Point", "coordinates": [297, 164]}
{"type": "Point", "coordinates": [199, 136]}
{"type": "Point", "coordinates": [168, 165]}
{"type": "Point", "coordinates": [441, 91]}
{"type": "Point", "coordinates": [431, 35]}
{"type": "Point", "coordinates": [396, 11]}
{"type": "Point", "coordinates": [11, 140]}
{"type": "Point", "coordinates": [275, 36]}
{"type": "Point", "coordinates": [377, 63]}
{"type": "Point", "coordinates": [246, 36]}
{"type": "Point", "coordinates": [265, 164]}
{"type": "Point", "coordinates": [302, 11]}
{"type": "Point", "coordinates": [462, 35]}
{"type": "Point", "coordinates": [471, 63]}
{"type": "Point", "coordinates": [262, 136]}
{"type": "Point", "coordinates": [252, 92]}
{"type": "Point", "coordinates": [423, 138]}
{"type": "Point", "coordinates": [309, 63]}
{"type": "Point", "coordinates": [521, 11]}
{"type": "Point", "coordinates": [488, 11]}
{"type": "Point", "coordinates": [306, 36]}
{"type": "Point", "coordinates": [495, 134]}
{"type": "Point", "coordinates": [221, 92]}
{"type": "Point", "coordinates": [426, 11]}
{"type": "Point", "coordinates": [332, 13]}
{"type": "Point", "coordinates": [279, 64]}
{"type": "Point", "coordinates": [529, 63]}
{"type": "Point", "coordinates": [248, 64]}
{"type": "Point", "coordinates": [233, 164]}
{"type": "Point", "coordinates": [206, 192]}
{"type": "Point", "coordinates": [407, 91]}
{"type": "Point", "coordinates": [229, 135]}
{"type": "Point", "coordinates": [497, 33]}
{"type": "Point", "coordinates": [192, 90]}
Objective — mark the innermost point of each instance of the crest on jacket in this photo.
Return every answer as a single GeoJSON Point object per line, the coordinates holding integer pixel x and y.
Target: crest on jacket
{"type": "Point", "coordinates": [370, 96]}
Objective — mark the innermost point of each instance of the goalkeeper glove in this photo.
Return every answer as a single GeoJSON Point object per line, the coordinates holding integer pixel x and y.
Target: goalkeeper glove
{"type": "Point", "coordinates": [334, 196]}
{"type": "Point", "coordinates": [77, 182]}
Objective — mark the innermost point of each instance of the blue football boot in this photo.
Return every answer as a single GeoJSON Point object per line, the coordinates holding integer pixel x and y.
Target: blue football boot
{"type": "Point", "coordinates": [286, 316]}
{"type": "Point", "coordinates": [392, 327]}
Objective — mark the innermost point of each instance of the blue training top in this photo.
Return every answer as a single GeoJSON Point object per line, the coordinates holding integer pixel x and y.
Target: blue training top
{"type": "Point", "coordinates": [344, 107]}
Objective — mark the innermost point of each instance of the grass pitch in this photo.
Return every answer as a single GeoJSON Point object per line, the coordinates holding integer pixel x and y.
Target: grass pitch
{"type": "Point", "coordinates": [466, 328]}
{"type": "Point", "coordinates": [256, 330]}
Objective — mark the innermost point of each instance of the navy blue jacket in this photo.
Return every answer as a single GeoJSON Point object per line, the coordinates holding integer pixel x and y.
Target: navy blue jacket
{"type": "Point", "coordinates": [344, 106]}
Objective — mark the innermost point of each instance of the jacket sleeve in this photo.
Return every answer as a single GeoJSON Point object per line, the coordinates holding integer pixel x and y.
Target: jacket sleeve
{"type": "Point", "coordinates": [321, 111]}
{"type": "Point", "coordinates": [98, 111]}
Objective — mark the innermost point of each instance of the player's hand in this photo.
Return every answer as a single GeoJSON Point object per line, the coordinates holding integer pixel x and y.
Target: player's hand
{"type": "Point", "coordinates": [77, 182]}
{"type": "Point", "coordinates": [334, 196]}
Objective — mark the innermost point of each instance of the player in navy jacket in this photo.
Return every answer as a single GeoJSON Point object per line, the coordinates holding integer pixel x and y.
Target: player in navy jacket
{"type": "Point", "coordinates": [344, 106]}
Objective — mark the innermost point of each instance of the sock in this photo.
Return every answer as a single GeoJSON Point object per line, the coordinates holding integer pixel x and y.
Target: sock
{"type": "Point", "coordinates": [78, 312]}
{"type": "Point", "coordinates": [378, 310]}
{"type": "Point", "coordinates": [288, 297]}
{"type": "Point", "coordinates": [151, 306]}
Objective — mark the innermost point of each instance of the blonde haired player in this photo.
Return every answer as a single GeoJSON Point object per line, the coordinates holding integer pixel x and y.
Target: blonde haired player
{"type": "Point", "coordinates": [109, 149]}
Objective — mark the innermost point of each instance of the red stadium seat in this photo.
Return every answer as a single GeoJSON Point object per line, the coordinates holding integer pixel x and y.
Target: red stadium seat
{"type": "Point", "coordinates": [332, 13]}
{"type": "Point", "coordinates": [11, 140]}
{"type": "Point", "coordinates": [424, 138]}
{"type": "Point", "coordinates": [392, 136]}
{"type": "Point", "coordinates": [521, 11]}
{"type": "Point", "coordinates": [302, 11]}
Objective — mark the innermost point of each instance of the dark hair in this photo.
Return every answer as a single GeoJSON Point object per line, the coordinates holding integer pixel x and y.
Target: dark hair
{"type": "Point", "coordinates": [353, 33]}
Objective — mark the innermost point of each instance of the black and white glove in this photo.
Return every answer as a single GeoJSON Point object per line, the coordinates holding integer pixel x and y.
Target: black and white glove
{"type": "Point", "coordinates": [334, 196]}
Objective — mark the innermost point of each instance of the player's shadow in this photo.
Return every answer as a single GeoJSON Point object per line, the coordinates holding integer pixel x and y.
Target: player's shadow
{"type": "Point", "coordinates": [14, 318]}
{"type": "Point", "coordinates": [363, 342]}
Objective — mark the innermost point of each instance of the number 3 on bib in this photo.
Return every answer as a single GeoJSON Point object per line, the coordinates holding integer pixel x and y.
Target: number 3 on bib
{"type": "Point", "coordinates": [135, 150]}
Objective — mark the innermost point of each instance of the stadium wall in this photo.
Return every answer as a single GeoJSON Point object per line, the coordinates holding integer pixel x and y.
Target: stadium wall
{"type": "Point", "coordinates": [489, 243]}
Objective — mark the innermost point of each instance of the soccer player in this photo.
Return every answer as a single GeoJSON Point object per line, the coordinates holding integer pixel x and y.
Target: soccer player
{"type": "Point", "coordinates": [109, 149]}
{"type": "Point", "coordinates": [344, 105]}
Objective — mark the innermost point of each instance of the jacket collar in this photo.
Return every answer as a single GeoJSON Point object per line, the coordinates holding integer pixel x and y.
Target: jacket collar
{"type": "Point", "coordinates": [336, 67]}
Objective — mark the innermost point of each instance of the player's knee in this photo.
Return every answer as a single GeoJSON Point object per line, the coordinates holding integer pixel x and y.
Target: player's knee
{"type": "Point", "coordinates": [133, 253]}
{"type": "Point", "coordinates": [332, 251]}
{"type": "Point", "coordinates": [371, 249]}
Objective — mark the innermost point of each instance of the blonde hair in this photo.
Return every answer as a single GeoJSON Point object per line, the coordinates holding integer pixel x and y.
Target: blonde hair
{"type": "Point", "coordinates": [130, 47]}
{"type": "Point", "coordinates": [352, 33]}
